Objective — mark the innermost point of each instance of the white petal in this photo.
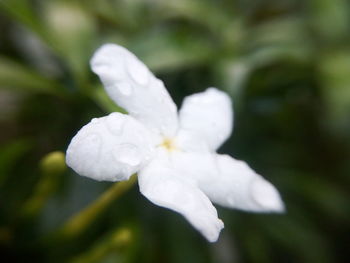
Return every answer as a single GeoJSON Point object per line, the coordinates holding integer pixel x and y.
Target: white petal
{"type": "Point", "coordinates": [201, 167]}
{"type": "Point", "coordinates": [164, 187]}
{"type": "Point", "coordinates": [189, 141]}
{"type": "Point", "coordinates": [110, 148]}
{"type": "Point", "coordinates": [132, 86]}
{"type": "Point", "coordinates": [208, 114]}
{"type": "Point", "coordinates": [238, 186]}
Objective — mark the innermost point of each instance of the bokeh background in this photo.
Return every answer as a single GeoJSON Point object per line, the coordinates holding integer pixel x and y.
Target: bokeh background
{"type": "Point", "coordinates": [286, 64]}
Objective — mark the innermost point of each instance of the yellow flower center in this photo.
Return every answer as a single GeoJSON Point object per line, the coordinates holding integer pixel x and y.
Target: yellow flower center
{"type": "Point", "coordinates": [168, 144]}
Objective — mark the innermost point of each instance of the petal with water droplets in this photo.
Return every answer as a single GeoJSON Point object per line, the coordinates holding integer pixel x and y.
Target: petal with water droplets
{"type": "Point", "coordinates": [132, 86]}
{"type": "Point", "coordinates": [111, 148]}
{"type": "Point", "coordinates": [208, 114]}
{"type": "Point", "coordinates": [238, 186]}
{"type": "Point", "coordinates": [163, 186]}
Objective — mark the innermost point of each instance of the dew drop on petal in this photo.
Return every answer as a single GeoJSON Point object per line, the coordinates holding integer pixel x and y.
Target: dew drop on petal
{"type": "Point", "coordinates": [124, 88]}
{"type": "Point", "coordinates": [93, 139]}
{"type": "Point", "coordinates": [148, 157]}
{"type": "Point", "coordinates": [138, 71]}
{"type": "Point", "coordinates": [95, 120]}
{"type": "Point", "coordinates": [115, 124]}
{"type": "Point", "coordinates": [128, 154]}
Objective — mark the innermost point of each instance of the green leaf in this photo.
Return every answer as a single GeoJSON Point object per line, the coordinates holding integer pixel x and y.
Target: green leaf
{"type": "Point", "coordinates": [14, 75]}
{"type": "Point", "coordinates": [172, 50]}
{"type": "Point", "coordinates": [72, 29]}
{"type": "Point", "coordinates": [334, 69]}
{"type": "Point", "coordinates": [210, 14]}
{"type": "Point", "coordinates": [65, 27]}
{"type": "Point", "coordinates": [9, 155]}
{"type": "Point", "coordinates": [330, 18]}
{"type": "Point", "coordinates": [22, 12]}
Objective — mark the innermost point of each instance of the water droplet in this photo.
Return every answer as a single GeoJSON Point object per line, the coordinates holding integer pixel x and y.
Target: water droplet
{"type": "Point", "coordinates": [115, 123]}
{"type": "Point", "coordinates": [128, 154]}
{"type": "Point", "coordinates": [138, 71]}
{"type": "Point", "coordinates": [125, 88]}
{"type": "Point", "coordinates": [148, 157]}
{"type": "Point", "coordinates": [95, 120]}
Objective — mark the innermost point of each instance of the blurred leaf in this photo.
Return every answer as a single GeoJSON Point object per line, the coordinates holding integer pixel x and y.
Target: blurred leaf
{"type": "Point", "coordinates": [207, 13]}
{"type": "Point", "coordinates": [328, 198]}
{"type": "Point", "coordinates": [14, 75]}
{"type": "Point", "coordinates": [334, 69]}
{"type": "Point", "coordinates": [9, 155]}
{"type": "Point", "coordinates": [286, 30]}
{"type": "Point", "coordinates": [114, 243]}
{"type": "Point", "coordinates": [64, 26]}
{"type": "Point", "coordinates": [231, 74]}
{"type": "Point", "coordinates": [36, 53]}
{"type": "Point", "coordinates": [278, 39]}
{"type": "Point", "coordinates": [73, 30]}
{"type": "Point", "coordinates": [257, 247]}
{"type": "Point", "coordinates": [126, 15]}
{"type": "Point", "coordinates": [330, 18]}
{"type": "Point", "coordinates": [166, 50]}
{"type": "Point", "coordinates": [22, 11]}
{"type": "Point", "coordinates": [297, 234]}
{"type": "Point", "coordinates": [274, 53]}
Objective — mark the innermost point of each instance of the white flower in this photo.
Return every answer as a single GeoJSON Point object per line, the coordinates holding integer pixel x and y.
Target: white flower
{"type": "Point", "coordinates": [174, 153]}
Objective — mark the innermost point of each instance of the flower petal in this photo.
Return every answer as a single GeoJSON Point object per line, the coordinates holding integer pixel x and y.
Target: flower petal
{"type": "Point", "coordinates": [227, 182]}
{"type": "Point", "coordinates": [201, 167]}
{"type": "Point", "coordinates": [110, 148]}
{"type": "Point", "coordinates": [238, 186]}
{"type": "Point", "coordinates": [132, 86]}
{"type": "Point", "coordinates": [209, 114]}
{"type": "Point", "coordinates": [164, 187]}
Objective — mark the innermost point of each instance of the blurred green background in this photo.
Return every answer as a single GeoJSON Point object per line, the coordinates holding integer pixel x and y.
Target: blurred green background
{"type": "Point", "coordinates": [286, 64]}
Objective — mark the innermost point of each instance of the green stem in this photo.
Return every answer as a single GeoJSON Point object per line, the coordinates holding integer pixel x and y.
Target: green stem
{"type": "Point", "coordinates": [80, 221]}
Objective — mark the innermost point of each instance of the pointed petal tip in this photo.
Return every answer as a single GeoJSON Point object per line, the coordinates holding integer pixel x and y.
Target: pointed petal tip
{"type": "Point", "coordinates": [101, 57]}
{"type": "Point", "coordinates": [213, 239]}
{"type": "Point", "coordinates": [266, 196]}
{"type": "Point", "coordinates": [213, 235]}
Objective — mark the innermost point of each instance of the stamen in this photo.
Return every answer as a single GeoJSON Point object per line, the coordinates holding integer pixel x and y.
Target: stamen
{"type": "Point", "coordinates": [168, 144]}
